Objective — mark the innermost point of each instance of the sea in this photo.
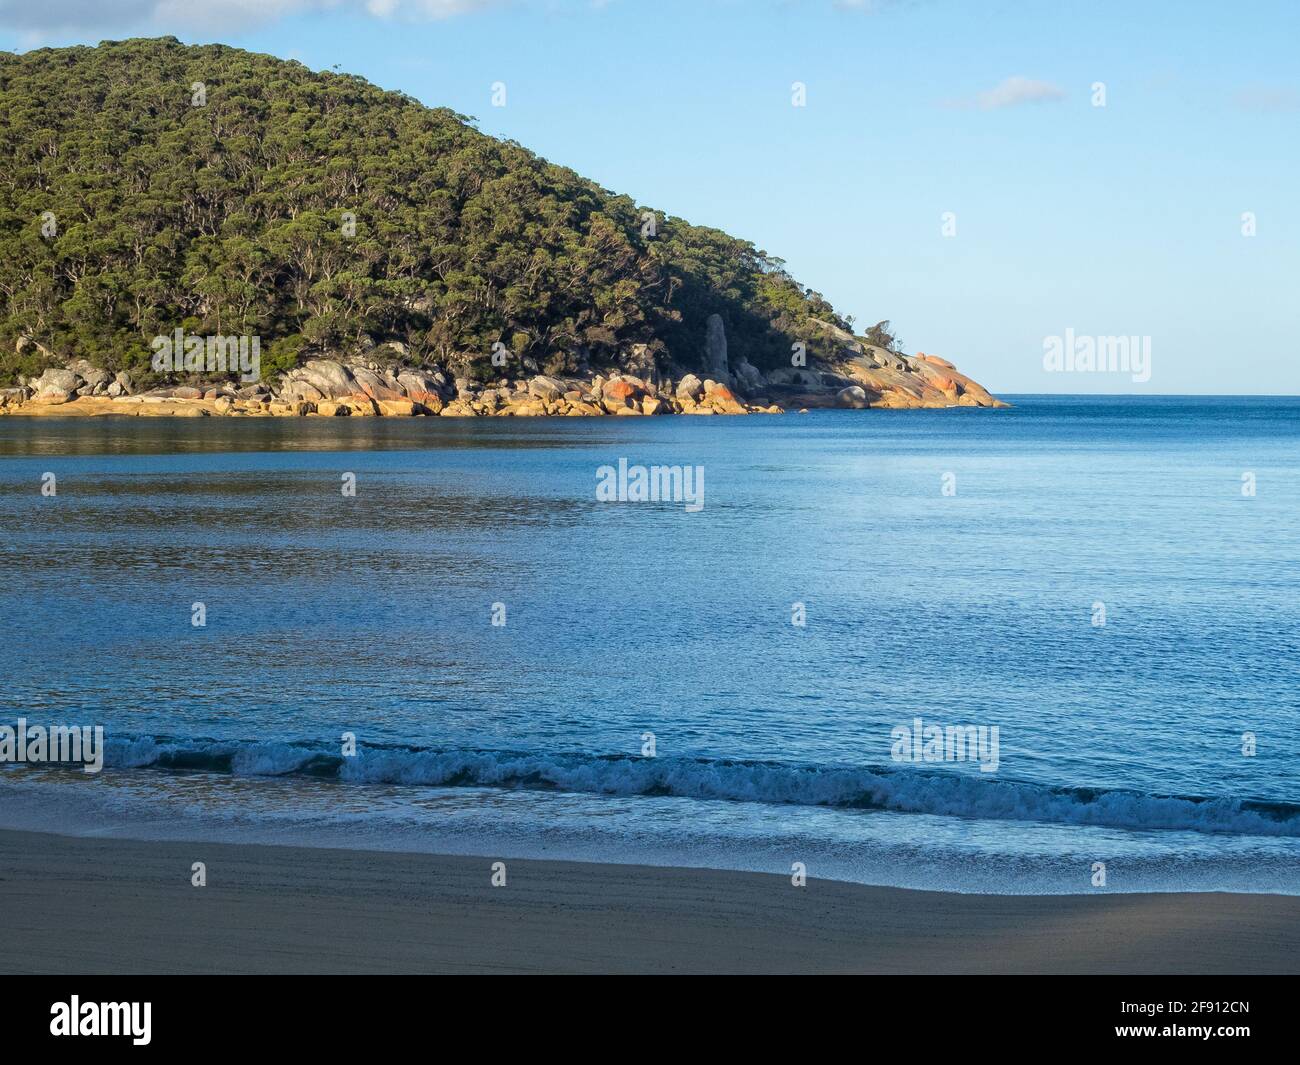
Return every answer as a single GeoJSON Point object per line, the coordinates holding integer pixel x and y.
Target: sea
{"type": "Point", "coordinates": [1053, 649]}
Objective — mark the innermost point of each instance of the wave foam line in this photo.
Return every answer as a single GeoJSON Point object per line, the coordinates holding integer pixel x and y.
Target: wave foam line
{"type": "Point", "coordinates": [903, 790]}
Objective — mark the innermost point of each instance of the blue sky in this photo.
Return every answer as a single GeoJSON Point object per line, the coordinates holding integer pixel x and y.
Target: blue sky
{"type": "Point", "coordinates": [1117, 220]}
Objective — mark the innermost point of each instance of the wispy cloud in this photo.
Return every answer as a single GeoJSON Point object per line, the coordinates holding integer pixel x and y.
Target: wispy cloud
{"type": "Point", "coordinates": [1277, 98]}
{"type": "Point", "coordinates": [427, 9]}
{"type": "Point", "coordinates": [871, 6]}
{"type": "Point", "coordinates": [72, 14]}
{"type": "Point", "coordinates": [123, 17]}
{"type": "Point", "coordinates": [1012, 92]}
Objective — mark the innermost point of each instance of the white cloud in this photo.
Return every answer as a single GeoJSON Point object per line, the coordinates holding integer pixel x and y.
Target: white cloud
{"type": "Point", "coordinates": [227, 15]}
{"type": "Point", "coordinates": [24, 16]}
{"type": "Point", "coordinates": [1012, 92]}
{"type": "Point", "coordinates": [871, 7]}
{"type": "Point", "coordinates": [1279, 98]}
{"type": "Point", "coordinates": [426, 9]}
{"type": "Point", "coordinates": [125, 17]}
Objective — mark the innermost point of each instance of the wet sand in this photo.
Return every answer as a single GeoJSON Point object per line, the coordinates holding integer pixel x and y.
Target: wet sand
{"type": "Point", "coordinates": [96, 905]}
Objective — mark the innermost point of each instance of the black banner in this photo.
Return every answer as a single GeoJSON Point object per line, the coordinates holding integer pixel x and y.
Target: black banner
{"type": "Point", "coordinates": [338, 1013]}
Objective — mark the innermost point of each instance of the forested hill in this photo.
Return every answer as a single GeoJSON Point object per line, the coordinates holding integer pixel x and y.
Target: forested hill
{"type": "Point", "coordinates": [146, 185]}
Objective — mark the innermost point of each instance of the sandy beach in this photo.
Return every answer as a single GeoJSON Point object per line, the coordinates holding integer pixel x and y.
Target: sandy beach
{"type": "Point", "coordinates": [96, 905]}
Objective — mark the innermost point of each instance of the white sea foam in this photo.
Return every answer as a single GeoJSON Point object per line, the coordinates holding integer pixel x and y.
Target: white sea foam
{"type": "Point", "coordinates": [899, 789]}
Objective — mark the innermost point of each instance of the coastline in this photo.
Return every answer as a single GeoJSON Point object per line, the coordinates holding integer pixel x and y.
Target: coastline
{"type": "Point", "coordinates": [109, 905]}
{"type": "Point", "coordinates": [330, 388]}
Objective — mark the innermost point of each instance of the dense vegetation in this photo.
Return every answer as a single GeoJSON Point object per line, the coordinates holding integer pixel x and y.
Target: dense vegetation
{"type": "Point", "coordinates": [133, 202]}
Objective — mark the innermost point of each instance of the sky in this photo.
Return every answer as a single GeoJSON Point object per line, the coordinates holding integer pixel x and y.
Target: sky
{"type": "Point", "coordinates": [952, 166]}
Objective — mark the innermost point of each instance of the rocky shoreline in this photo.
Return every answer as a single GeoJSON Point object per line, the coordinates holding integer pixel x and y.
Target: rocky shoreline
{"type": "Point", "coordinates": [380, 384]}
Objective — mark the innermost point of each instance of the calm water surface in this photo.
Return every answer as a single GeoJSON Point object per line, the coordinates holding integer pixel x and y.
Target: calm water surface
{"type": "Point", "coordinates": [325, 614]}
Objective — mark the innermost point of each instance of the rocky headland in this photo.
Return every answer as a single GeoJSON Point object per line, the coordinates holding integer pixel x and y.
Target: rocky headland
{"type": "Point", "coordinates": [381, 382]}
{"type": "Point", "coordinates": [356, 253]}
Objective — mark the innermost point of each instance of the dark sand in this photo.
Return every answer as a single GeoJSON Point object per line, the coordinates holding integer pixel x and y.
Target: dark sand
{"type": "Point", "coordinates": [75, 905]}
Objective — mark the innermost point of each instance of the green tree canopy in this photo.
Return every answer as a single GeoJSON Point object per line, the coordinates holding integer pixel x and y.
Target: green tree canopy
{"type": "Point", "coordinates": [146, 185]}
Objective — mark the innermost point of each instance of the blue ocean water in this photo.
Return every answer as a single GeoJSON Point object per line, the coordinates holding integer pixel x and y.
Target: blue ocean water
{"type": "Point", "coordinates": [951, 566]}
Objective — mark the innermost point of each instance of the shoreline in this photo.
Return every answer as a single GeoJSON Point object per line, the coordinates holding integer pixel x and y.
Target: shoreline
{"type": "Point", "coordinates": [329, 388]}
{"type": "Point", "coordinates": [113, 905]}
{"type": "Point", "coordinates": [223, 407]}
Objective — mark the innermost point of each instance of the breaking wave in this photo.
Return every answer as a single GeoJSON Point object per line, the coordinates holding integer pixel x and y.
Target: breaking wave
{"type": "Point", "coordinates": [899, 789]}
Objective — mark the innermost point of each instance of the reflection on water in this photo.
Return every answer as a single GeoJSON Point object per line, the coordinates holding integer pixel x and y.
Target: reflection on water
{"type": "Point", "coordinates": [118, 435]}
{"type": "Point", "coordinates": [372, 614]}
